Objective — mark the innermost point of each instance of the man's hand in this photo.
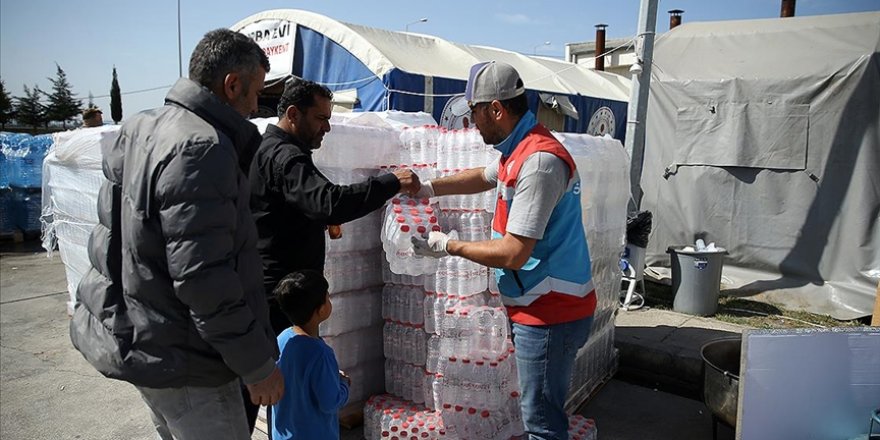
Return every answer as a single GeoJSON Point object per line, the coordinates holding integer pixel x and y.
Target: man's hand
{"type": "Point", "coordinates": [432, 246]}
{"type": "Point", "coordinates": [269, 390]}
{"type": "Point", "coordinates": [345, 377]}
{"type": "Point", "coordinates": [426, 191]}
{"type": "Point", "coordinates": [409, 181]}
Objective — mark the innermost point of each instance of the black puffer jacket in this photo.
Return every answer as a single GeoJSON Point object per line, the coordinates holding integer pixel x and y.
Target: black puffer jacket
{"type": "Point", "coordinates": [175, 294]}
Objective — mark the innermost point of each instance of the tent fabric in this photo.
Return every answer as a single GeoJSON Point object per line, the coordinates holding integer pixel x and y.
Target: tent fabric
{"type": "Point", "coordinates": [762, 136]}
{"type": "Point", "coordinates": [414, 72]}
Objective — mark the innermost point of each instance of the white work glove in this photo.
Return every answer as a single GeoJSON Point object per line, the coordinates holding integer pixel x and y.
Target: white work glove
{"type": "Point", "coordinates": [433, 246]}
{"type": "Point", "coordinates": [426, 191]}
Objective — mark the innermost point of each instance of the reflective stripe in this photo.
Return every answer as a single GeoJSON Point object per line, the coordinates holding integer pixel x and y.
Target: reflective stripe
{"type": "Point", "coordinates": [548, 285]}
{"type": "Point", "coordinates": [507, 192]}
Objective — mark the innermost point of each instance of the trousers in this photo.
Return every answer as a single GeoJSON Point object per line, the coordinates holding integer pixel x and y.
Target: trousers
{"type": "Point", "coordinates": [192, 413]}
{"type": "Point", "coordinates": [544, 359]}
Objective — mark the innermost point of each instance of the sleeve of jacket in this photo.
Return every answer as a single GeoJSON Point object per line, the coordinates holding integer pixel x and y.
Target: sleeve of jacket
{"type": "Point", "coordinates": [329, 390]}
{"type": "Point", "coordinates": [197, 192]}
{"type": "Point", "coordinates": [321, 200]}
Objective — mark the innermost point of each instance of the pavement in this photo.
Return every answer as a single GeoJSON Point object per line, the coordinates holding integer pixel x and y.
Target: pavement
{"type": "Point", "coordinates": [47, 390]}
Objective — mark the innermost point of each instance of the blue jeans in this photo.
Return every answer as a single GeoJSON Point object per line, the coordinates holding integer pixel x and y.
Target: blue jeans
{"type": "Point", "coordinates": [544, 359]}
{"type": "Point", "coordinates": [198, 412]}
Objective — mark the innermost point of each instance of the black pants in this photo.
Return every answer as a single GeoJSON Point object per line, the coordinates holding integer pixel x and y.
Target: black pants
{"type": "Point", "coordinates": [279, 323]}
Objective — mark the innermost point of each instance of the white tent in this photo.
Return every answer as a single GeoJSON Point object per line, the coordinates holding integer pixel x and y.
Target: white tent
{"type": "Point", "coordinates": [762, 136]}
{"type": "Point", "coordinates": [388, 70]}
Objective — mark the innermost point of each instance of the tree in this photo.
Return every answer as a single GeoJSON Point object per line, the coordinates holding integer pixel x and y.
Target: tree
{"type": "Point", "coordinates": [6, 110]}
{"type": "Point", "coordinates": [115, 99]}
{"type": "Point", "coordinates": [62, 105]}
{"type": "Point", "coordinates": [91, 100]}
{"type": "Point", "coordinates": [29, 110]}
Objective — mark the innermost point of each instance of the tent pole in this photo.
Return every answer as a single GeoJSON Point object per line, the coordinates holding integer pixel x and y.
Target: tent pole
{"type": "Point", "coordinates": [875, 318]}
{"type": "Point", "coordinates": [638, 99]}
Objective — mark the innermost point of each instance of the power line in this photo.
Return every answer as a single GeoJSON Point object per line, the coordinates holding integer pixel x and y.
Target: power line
{"type": "Point", "coordinates": [128, 93]}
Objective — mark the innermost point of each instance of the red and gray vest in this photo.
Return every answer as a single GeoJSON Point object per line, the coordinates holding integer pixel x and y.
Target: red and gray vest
{"type": "Point", "coordinates": [560, 261]}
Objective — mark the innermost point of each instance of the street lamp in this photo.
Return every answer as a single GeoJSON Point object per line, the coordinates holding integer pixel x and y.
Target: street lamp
{"type": "Point", "coordinates": [535, 50]}
{"type": "Point", "coordinates": [421, 20]}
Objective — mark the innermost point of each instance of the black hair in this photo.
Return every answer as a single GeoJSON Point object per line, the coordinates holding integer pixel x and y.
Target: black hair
{"type": "Point", "coordinates": [221, 52]}
{"type": "Point", "coordinates": [301, 93]}
{"type": "Point", "coordinates": [518, 105]}
{"type": "Point", "coordinates": [300, 294]}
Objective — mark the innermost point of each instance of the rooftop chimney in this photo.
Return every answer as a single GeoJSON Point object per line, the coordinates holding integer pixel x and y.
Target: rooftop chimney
{"type": "Point", "coordinates": [600, 46]}
{"type": "Point", "coordinates": [674, 18]}
{"type": "Point", "coordinates": [787, 8]}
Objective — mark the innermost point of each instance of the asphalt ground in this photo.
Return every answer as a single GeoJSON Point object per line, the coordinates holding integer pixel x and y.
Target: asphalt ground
{"type": "Point", "coordinates": [48, 391]}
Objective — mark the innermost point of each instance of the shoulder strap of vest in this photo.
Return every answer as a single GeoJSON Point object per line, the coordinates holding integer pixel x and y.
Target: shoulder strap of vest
{"type": "Point", "coordinates": [539, 139]}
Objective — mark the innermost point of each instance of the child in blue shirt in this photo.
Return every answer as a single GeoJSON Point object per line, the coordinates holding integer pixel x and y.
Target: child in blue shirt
{"type": "Point", "coordinates": [314, 387]}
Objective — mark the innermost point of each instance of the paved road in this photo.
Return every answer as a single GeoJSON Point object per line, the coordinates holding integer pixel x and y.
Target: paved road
{"type": "Point", "coordinates": [47, 390]}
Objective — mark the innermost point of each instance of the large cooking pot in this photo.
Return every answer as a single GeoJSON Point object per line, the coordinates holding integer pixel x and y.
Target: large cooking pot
{"type": "Point", "coordinates": [721, 377]}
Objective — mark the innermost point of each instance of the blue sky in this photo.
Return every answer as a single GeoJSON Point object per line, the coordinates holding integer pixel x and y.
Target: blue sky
{"type": "Point", "coordinates": [87, 38]}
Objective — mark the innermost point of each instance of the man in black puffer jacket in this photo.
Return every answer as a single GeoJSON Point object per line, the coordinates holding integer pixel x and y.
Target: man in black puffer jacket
{"type": "Point", "coordinates": [174, 302]}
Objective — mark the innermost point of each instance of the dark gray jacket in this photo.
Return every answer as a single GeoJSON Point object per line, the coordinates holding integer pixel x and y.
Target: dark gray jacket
{"type": "Point", "coordinates": [175, 293]}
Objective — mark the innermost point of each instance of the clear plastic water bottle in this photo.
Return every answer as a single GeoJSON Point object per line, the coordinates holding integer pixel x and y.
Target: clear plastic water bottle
{"type": "Point", "coordinates": [428, 311]}
{"type": "Point", "coordinates": [433, 354]}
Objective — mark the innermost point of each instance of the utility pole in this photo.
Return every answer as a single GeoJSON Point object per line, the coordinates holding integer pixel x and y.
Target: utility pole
{"type": "Point", "coordinates": [179, 49]}
{"type": "Point", "coordinates": [638, 98]}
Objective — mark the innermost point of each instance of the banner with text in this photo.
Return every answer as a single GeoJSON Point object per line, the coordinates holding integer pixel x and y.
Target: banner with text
{"type": "Point", "coordinates": [276, 37]}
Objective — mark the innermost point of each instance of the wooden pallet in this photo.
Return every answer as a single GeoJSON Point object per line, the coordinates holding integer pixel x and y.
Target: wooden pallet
{"type": "Point", "coordinates": [352, 415]}
{"type": "Point", "coordinates": [875, 319]}
{"type": "Point", "coordinates": [12, 237]}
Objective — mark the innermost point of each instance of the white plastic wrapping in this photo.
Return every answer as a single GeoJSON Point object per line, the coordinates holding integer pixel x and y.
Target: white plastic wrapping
{"type": "Point", "coordinates": [603, 166]}
{"type": "Point", "coordinates": [72, 177]}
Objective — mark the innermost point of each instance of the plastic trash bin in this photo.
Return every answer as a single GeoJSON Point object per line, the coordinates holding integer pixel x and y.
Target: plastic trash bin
{"type": "Point", "coordinates": [696, 280]}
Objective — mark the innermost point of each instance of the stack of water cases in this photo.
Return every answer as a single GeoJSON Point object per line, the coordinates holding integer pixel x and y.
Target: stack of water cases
{"type": "Point", "coordinates": [603, 166]}
{"type": "Point", "coordinates": [72, 178]}
{"type": "Point", "coordinates": [350, 154]}
{"type": "Point", "coordinates": [449, 364]}
{"type": "Point", "coordinates": [21, 162]}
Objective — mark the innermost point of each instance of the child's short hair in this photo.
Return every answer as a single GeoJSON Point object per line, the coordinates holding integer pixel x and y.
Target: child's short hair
{"type": "Point", "coordinates": [300, 294]}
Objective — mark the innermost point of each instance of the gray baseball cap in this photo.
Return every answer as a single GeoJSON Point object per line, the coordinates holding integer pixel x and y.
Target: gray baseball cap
{"type": "Point", "coordinates": [492, 81]}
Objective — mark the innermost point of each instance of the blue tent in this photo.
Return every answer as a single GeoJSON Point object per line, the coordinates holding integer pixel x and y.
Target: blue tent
{"type": "Point", "coordinates": [373, 69]}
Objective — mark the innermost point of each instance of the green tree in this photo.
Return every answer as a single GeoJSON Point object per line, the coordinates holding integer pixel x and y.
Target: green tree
{"type": "Point", "coordinates": [29, 110]}
{"type": "Point", "coordinates": [6, 109]}
{"type": "Point", "coordinates": [115, 99]}
{"type": "Point", "coordinates": [62, 105]}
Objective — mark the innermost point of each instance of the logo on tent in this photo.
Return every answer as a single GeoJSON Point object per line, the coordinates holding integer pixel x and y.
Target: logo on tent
{"type": "Point", "coordinates": [601, 123]}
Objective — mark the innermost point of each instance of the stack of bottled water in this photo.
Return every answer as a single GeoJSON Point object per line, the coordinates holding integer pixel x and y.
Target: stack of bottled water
{"type": "Point", "coordinates": [603, 166]}
{"type": "Point", "coordinates": [72, 178]}
{"type": "Point", "coordinates": [354, 270]}
{"type": "Point", "coordinates": [353, 310]}
{"type": "Point", "coordinates": [445, 340]}
{"type": "Point", "coordinates": [462, 149]}
{"type": "Point", "coordinates": [357, 235]}
{"type": "Point", "coordinates": [419, 145]}
{"type": "Point", "coordinates": [353, 146]}
{"type": "Point", "coordinates": [21, 164]}
{"type": "Point", "coordinates": [388, 417]}
{"type": "Point", "coordinates": [581, 428]}
{"type": "Point", "coordinates": [353, 262]}
{"type": "Point", "coordinates": [354, 329]}
{"type": "Point", "coordinates": [484, 201]}
{"type": "Point", "coordinates": [404, 218]}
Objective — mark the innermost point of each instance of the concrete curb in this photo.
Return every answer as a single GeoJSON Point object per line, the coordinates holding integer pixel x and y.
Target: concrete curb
{"type": "Point", "coordinates": [661, 348]}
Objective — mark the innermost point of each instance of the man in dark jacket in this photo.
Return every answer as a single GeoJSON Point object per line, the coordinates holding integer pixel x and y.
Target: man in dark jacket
{"type": "Point", "coordinates": [174, 302]}
{"type": "Point", "coordinates": [292, 202]}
